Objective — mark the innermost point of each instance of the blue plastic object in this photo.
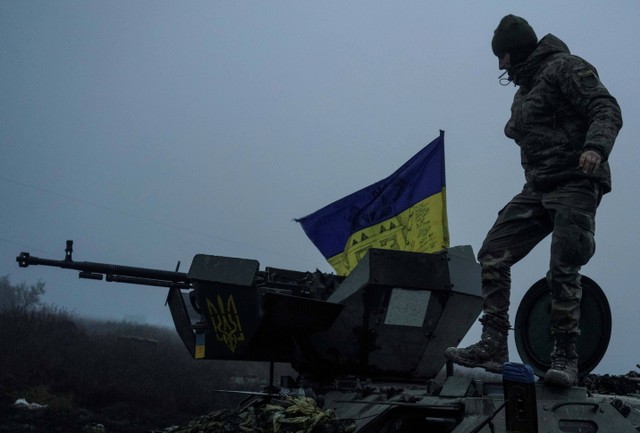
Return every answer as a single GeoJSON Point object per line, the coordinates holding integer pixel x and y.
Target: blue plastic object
{"type": "Point", "coordinates": [516, 372]}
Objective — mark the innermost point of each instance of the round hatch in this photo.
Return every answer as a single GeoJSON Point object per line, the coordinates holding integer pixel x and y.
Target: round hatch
{"type": "Point", "coordinates": [532, 328]}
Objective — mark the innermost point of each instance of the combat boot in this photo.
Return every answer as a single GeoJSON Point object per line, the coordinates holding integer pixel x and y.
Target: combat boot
{"type": "Point", "coordinates": [564, 362]}
{"type": "Point", "coordinates": [490, 353]}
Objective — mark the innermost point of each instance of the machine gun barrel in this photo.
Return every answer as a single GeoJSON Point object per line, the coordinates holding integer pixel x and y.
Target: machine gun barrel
{"type": "Point", "coordinates": [115, 273]}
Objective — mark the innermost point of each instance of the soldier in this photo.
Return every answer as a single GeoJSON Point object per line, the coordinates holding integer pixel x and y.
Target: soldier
{"type": "Point", "coordinates": [565, 123]}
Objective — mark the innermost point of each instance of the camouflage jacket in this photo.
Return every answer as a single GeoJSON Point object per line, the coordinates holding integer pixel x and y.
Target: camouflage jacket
{"type": "Point", "coordinates": [560, 110]}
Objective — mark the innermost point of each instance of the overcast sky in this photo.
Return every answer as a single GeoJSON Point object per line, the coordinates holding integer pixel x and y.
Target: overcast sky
{"type": "Point", "coordinates": [149, 131]}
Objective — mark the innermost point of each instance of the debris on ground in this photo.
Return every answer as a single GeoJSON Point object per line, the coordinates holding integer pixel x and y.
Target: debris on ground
{"type": "Point", "coordinates": [625, 385]}
{"type": "Point", "coordinates": [286, 415]}
{"type": "Point", "coordinates": [22, 403]}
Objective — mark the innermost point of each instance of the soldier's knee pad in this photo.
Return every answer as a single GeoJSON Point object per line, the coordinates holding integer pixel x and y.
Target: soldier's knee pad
{"type": "Point", "coordinates": [573, 240]}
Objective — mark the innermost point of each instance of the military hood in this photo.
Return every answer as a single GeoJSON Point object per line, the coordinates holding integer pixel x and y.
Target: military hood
{"type": "Point", "coordinates": [547, 46]}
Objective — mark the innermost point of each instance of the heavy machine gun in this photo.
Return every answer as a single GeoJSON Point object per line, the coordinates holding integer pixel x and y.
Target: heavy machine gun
{"type": "Point", "coordinates": [393, 316]}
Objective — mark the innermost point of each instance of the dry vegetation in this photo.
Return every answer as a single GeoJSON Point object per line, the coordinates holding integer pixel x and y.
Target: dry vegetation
{"type": "Point", "coordinates": [123, 376]}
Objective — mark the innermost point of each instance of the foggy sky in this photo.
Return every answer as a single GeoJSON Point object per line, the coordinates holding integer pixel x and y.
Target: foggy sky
{"type": "Point", "coordinates": [151, 131]}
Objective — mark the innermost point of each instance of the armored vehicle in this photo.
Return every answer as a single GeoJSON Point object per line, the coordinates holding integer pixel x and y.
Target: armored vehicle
{"type": "Point", "coordinates": [368, 348]}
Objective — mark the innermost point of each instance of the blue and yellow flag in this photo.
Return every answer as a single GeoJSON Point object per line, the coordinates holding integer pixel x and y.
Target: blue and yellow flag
{"type": "Point", "coordinates": [406, 211]}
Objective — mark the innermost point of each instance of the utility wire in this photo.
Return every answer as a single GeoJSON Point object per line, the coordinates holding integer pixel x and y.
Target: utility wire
{"type": "Point", "coordinates": [141, 217]}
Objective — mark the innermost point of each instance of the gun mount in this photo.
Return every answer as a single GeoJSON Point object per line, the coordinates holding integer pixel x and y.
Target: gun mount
{"type": "Point", "coordinates": [392, 317]}
{"type": "Point", "coordinates": [368, 345]}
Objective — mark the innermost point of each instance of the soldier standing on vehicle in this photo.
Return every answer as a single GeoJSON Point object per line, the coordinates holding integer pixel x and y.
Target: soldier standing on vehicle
{"type": "Point", "coordinates": [565, 122]}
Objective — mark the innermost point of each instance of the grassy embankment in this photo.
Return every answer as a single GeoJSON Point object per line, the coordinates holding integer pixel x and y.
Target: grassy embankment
{"type": "Point", "coordinates": [124, 376]}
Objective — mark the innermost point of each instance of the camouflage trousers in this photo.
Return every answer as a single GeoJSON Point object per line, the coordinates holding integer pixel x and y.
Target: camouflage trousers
{"type": "Point", "coordinates": [568, 214]}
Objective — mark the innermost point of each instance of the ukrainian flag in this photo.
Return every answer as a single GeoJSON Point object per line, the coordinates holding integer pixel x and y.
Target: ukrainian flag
{"type": "Point", "coordinates": [406, 211]}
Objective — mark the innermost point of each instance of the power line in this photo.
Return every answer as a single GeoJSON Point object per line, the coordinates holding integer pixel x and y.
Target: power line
{"type": "Point", "coordinates": [25, 247]}
{"type": "Point", "coordinates": [140, 217]}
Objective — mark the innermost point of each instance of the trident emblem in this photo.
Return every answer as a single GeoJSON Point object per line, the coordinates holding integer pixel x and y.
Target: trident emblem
{"type": "Point", "coordinates": [226, 321]}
